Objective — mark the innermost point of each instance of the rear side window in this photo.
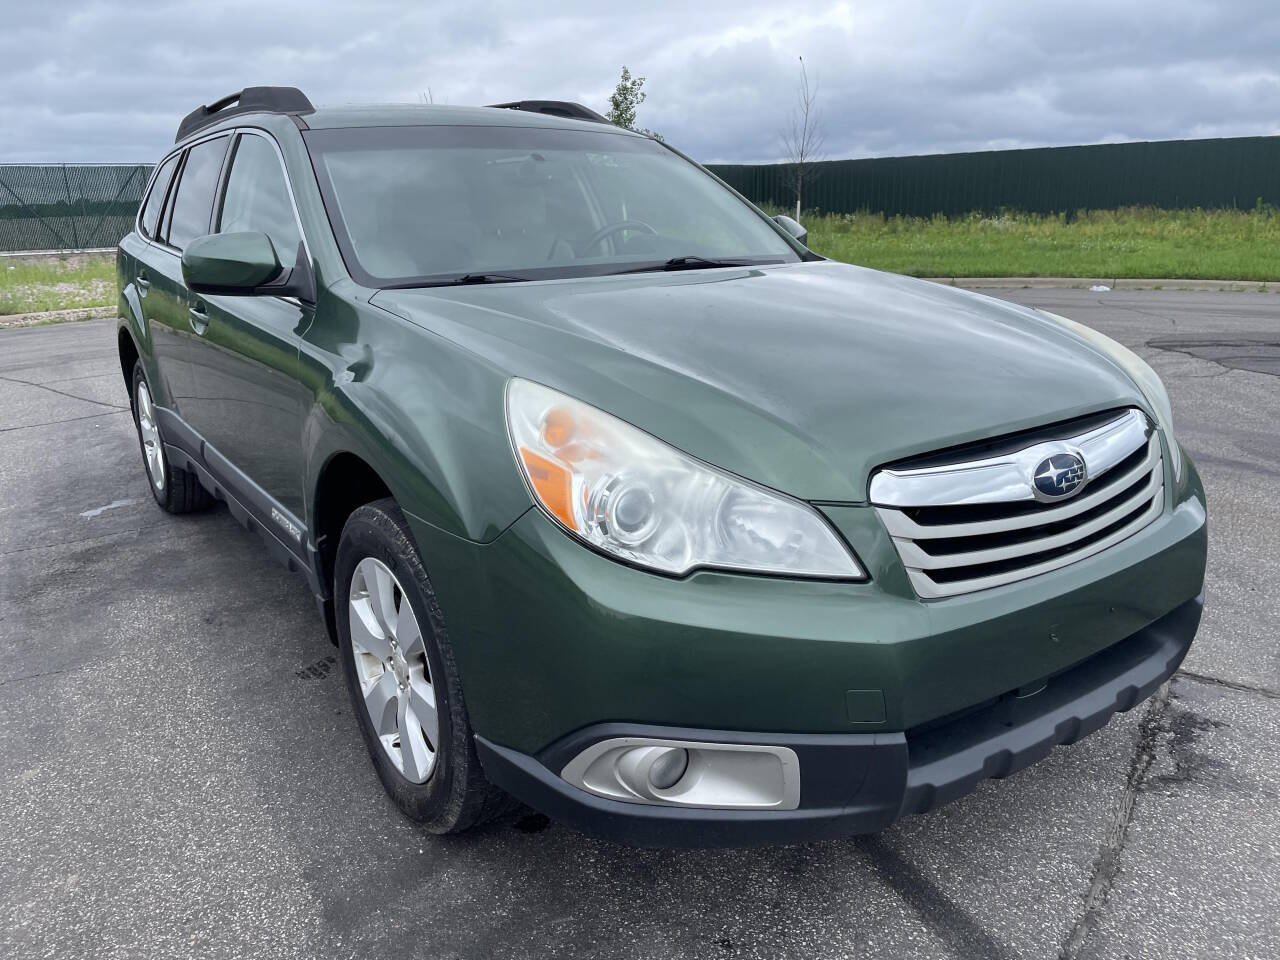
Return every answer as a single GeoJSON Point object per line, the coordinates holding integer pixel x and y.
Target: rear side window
{"type": "Point", "coordinates": [193, 203]}
{"type": "Point", "coordinates": [155, 199]}
{"type": "Point", "coordinates": [257, 198]}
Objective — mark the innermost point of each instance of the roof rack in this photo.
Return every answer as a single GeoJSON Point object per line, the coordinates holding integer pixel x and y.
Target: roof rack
{"type": "Point", "coordinates": [288, 100]}
{"type": "Point", "coordinates": [554, 108]}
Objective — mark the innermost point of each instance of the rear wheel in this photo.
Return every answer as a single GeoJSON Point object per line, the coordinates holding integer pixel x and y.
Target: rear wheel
{"type": "Point", "coordinates": [402, 679]}
{"type": "Point", "coordinates": [177, 490]}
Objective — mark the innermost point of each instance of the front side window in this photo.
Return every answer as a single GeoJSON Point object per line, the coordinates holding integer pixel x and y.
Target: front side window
{"type": "Point", "coordinates": [193, 203]}
{"type": "Point", "coordinates": [155, 199]}
{"type": "Point", "coordinates": [257, 198]}
{"type": "Point", "coordinates": [427, 204]}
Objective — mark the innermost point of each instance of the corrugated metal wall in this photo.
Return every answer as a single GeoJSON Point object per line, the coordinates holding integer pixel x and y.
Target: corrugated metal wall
{"type": "Point", "coordinates": [80, 206]}
{"type": "Point", "coordinates": [1173, 174]}
{"type": "Point", "coordinates": [68, 206]}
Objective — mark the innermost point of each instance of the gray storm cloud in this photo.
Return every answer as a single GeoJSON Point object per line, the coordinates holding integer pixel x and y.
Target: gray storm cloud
{"type": "Point", "coordinates": [108, 81]}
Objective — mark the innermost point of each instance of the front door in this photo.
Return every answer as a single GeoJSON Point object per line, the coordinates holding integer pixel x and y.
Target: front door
{"type": "Point", "coordinates": [249, 405]}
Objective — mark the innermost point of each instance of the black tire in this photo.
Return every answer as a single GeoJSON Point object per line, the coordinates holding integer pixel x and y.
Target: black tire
{"type": "Point", "coordinates": [455, 796]}
{"type": "Point", "coordinates": [181, 491]}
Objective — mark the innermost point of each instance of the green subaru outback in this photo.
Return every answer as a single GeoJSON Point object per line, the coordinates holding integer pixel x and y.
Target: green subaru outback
{"type": "Point", "coordinates": [618, 500]}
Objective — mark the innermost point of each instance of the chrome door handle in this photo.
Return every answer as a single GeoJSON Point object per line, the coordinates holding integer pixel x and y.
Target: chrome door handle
{"type": "Point", "coordinates": [199, 318]}
{"type": "Point", "coordinates": [142, 283]}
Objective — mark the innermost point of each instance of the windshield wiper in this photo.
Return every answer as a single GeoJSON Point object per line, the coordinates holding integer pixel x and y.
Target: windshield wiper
{"type": "Point", "coordinates": [695, 263]}
{"type": "Point", "coordinates": [486, 278]}
{"type": "Point", "coordinates": [465, 279]}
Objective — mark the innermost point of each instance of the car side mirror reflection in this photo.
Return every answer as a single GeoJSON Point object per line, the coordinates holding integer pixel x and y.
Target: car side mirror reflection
{"type": "Point", "coordinates": [243, 264]}
{"type": "Point", "coordinates": [792, 227]}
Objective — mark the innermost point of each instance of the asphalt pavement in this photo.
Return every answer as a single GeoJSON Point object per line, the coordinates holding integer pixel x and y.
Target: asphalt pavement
{"type": "Point", "coordinates": [181, 776]}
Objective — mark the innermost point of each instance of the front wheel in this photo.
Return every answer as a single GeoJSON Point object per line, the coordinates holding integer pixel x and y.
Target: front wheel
{"type": "Point", "coordinates": [402, 678]}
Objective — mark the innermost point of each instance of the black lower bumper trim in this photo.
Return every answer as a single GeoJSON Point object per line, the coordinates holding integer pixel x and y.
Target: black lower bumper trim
{"type": "Point", "coordinates": [860, 783]}
{"type": "Point", "coordinates": [857, 773]}
{"type": "Point", "coordinates": [951, 759]}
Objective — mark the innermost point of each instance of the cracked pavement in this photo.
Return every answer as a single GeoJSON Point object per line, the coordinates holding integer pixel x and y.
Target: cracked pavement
{"type": "Point", "coordinates": [180, 774]}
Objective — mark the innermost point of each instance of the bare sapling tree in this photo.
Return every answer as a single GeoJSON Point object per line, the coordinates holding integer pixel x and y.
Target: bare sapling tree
{"type": "Point", "coordinates": [804, 135]}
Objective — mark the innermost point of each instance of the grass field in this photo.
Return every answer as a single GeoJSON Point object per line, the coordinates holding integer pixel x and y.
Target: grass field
{"type": "Point", "coordinates": [1143, 243]}
{"type": "Point", "coordinates": [1140, 243]}
{"type": "Point", "coordinates": [37, 284]}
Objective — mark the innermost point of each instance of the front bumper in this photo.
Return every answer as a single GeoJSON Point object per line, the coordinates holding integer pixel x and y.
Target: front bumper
{"type": "Point", "coordinates": [860, 783]}
{"type": "Point", "coordinates": [891, 704]}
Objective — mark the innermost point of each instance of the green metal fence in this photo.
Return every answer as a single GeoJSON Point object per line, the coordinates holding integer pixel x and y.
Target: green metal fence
{"type": "Point", "coordinates": [1173, 174]}
{"type": "Point", "coordinates": [83, 206]}
{"type": "Point", "coordinates": [68, 206]}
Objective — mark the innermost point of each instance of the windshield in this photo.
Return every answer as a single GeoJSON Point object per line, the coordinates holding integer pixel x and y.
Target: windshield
{"type": "Point", "coordinates": [437, 204]}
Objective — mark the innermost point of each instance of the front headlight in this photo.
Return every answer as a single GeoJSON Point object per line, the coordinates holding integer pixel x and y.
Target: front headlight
{"type": "Point", "coordinates": [633, 496]}
{"type": "Point", "coordinates": [1141, 373]}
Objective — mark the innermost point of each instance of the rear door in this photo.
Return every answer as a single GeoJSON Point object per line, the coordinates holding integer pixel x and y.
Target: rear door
{"type": "Point", "coordinates": [167, 349]}
{"type": "Point", "coordinates": [171, 312]}
{"type": "Point", "coordinates": [249, 405]}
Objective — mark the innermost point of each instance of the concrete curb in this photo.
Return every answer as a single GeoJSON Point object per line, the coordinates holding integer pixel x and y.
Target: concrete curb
{"type": "Point", "coordinates": [1084, 283]}
{"type": "Point", "coordinates": [54, 316]}
{"type": "Point", "coordinates": [37, 254]}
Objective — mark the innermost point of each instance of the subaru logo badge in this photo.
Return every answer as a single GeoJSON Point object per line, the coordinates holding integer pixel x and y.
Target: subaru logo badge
{"type": "Point", "coordinates": [1058, 476]}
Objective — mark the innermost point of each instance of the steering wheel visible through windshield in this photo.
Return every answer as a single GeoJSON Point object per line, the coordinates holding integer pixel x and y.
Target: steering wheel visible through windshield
{"type": "Point", "coordinates": [413, 206]}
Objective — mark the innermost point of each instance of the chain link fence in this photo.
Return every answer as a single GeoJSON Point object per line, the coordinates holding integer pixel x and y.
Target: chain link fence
{"type": "Point", "coordinates": [68, 206]}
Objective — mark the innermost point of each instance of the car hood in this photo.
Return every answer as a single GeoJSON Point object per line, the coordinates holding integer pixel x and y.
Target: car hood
{"type": "Point", "coordinates": [803, 377]}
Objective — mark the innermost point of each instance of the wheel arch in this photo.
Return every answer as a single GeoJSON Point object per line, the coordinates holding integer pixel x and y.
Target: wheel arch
{"type": "Point", "coordinates": [345, 481]}
{"type": "Point", "coordinates": [129, 357]}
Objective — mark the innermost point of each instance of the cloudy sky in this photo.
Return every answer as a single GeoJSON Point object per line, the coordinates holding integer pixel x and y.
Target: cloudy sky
{"type": "Point", "coordinates": [108, 81]}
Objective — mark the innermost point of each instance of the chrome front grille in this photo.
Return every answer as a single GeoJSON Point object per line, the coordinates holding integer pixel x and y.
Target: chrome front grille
{"type": "Point", "coordinates": [979, 523]}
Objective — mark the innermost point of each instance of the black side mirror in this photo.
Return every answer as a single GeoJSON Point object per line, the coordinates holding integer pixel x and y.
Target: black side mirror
{"type": "Point", "coordinates": [792, 227]}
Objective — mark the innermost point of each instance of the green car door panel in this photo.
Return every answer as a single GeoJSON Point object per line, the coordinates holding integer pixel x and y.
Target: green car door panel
{"type": "Point", "coordinates": [249, 403]}
{"type": "Point", "coordinates": [165, 312]}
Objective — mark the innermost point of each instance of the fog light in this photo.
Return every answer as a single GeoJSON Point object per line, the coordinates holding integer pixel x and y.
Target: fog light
{"type": "Point", "coordinates": [666, 771]}
{"type": "Point", "coordinates": [685, 773]}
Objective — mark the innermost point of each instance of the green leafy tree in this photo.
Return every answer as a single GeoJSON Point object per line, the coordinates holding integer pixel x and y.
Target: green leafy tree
{"type": "Point", "coordinates": [625, 99]}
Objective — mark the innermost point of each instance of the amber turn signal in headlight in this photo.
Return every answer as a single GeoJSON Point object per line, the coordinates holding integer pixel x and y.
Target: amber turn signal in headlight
{"type": "Point", "coordinates": [633, 496]}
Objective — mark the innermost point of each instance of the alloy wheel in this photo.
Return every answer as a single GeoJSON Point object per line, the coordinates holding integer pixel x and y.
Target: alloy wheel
{"type": "Point", "coordinates": [152, 446]}
{"type": "Point", "coordinates": [391, 667]}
